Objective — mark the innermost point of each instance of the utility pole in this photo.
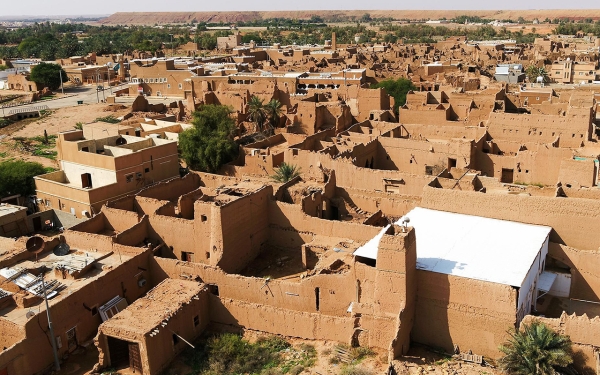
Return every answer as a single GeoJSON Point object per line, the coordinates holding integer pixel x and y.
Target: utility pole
{"type": "Point", "coordinates": [172, 49]}
{"type": "Point", "coordinates": [97, 96]}
{"type": "Point", "coordinates": [52, 337]}
{"type": "Point", "coordinates": [61, 81]}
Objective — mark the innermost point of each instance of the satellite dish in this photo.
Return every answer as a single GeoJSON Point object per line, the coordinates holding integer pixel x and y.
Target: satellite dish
{"type": "Point", "coordinates": [61, 249]}
{"type": "Point", "coordinates": [29, 314]}
{"type": "Point", "coordinates": [121, 141]}
{"type": "Point", "coordinates": [35, 244]}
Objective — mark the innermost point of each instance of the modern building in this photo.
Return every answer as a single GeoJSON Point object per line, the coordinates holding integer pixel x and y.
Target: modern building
{"type": "Point", "coordinates": [95, 170]}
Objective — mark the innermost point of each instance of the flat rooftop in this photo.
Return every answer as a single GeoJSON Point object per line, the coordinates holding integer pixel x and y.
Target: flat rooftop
{"type": "Point", "coordinates": [160, 304]}
{"type": "Point", "coordinates": [474, 247]}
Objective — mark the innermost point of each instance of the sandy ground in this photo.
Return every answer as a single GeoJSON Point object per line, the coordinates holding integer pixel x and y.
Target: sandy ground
{"type": "Point", "coordinates": [419, 361]}
{"type": "Point", "coordinates": [58, 120]}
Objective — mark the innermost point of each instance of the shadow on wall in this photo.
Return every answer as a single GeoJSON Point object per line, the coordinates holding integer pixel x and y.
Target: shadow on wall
{"type": "Point", "coordinates": [432, 321]}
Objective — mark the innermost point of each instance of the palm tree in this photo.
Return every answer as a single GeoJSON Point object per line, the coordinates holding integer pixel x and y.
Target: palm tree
{"type": "Point", "coordinates": [535, 350]}
{"type": "Point", "coordinates": [257, 112]}
{"type": "Point", "coordinates": [286, 172]}
{"type": "Point", "coordinates": [273, 109]}
{"type": "Point", "coordinates": [533, 72]}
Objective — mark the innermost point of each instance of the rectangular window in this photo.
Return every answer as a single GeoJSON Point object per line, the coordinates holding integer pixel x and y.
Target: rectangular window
{"type": "Point", "coordinates": [180, 86]}
{"type": "Point", "coordinates": [196, 321]}
{"type": "Point", "coordinates": [129, 177]}
{"type": "Point", "coordinates": [168, 86]}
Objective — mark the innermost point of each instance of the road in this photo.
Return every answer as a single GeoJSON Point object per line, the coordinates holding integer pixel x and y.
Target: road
{"type": "Point", "coordinates": [88, 95]}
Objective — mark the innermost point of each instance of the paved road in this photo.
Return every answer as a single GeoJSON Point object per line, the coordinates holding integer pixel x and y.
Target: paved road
{"type": "Point", "coordinates": [88, 95]}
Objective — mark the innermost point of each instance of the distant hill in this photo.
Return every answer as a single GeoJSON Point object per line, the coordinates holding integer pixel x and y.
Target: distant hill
{"type": "Point", "coordinates": [151, 18]}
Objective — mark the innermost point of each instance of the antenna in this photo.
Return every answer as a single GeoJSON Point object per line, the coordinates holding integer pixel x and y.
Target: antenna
{"type": "Point", "coordinates": [405, 222]}
{"type": "Point", "coordinates": [35, 245]}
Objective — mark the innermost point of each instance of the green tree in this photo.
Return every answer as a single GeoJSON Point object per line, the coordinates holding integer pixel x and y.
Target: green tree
{"type": "Point", "coordinates": [209, 143]}
{"type": "Point", "coordinates": [286, 172]}
{"type": "Point", "coordinates": [16, 177]}
{"type": "Point", "coordinates": [397, 89]}
{"type": "Point", "coordinates": [534, 71]}
{"type": "Point", "coordinates": [257, 113]}
{"type": "Point", "coordinates": [535, 350]}
{"type": "Point", "coordinates": [273, 111]}
{"type": "Point", "coordinates": [48, 75]}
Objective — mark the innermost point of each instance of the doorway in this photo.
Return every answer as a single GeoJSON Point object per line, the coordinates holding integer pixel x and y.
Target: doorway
{"type": "Point", "coordinates": [124, 354]}
{"type": "Point", "coordinates": [507, 175]}
{"type": "Point", "coordinates": [37, 224]}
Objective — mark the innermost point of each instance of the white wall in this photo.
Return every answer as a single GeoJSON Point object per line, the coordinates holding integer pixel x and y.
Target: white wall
{"type": "Point", "coordinates": [100, 177]}
{"type": "Point", "coordinates": [562, 285]}
{"type": "Point", "coordinates": [528, 291]}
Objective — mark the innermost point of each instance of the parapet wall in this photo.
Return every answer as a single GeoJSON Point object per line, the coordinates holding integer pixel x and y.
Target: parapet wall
{"type": "Point", "coordinates": [573, 220]}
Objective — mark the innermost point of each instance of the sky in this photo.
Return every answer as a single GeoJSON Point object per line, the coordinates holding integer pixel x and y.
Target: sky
{"type": "Point", "coordinates": [70, 7]}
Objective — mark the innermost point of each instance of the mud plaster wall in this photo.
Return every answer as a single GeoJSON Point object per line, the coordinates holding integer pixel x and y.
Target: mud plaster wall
{"type": "Point", "coordinates": [70, 311]}
{"type": "Point", "coordinates": [583, 332]}
{"type": "Point", "coordinates": [245, 227]}
{"type": "Point", "coordinates": [135, 235]}
{"type": "Point", "coordinates": [585, 280]}
{"type": "Point", "coordinates": [11, 333]}
{"type": "Point", "coordinates": [454, 310]}
{"type": "Point", "coordinates": [572, 219]}
{"type": "Point", "coordinates": [120, 220]}
{"type": "Point", "coordinates": [287, 217]}
{"type": "Point", "coordinates": [288, 308]}
{"type": "Point", "coordinates": [158, 351]}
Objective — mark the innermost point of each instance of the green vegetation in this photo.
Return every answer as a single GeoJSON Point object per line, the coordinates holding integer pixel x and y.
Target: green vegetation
{"type": "Point", "coordinates": [37, 146]}
{"type": "Point", "coordinates": [110, 119]}
{"type": "Point", "coordinates": [397, 89]}
{"type": "Point", "coordinates": [16, 177]}
{"type": "Point", "coordinates": [355, 370]}
{"type": "Point", "coordinates": [4, 122]}
{"type": "Point", "coordinates": [79, 125]}
{"type": "Point", "coordinates": [535, 350]}
{"type": "Point", "coordinates": [285, 172]}
{"type": "Point", "coordinates": [265, 116]}
{"type": "Point", "coordinates": [229, 354]}
{"type": "Point", "coordinates": [3, 67]}
{"type": "Point", "coordinates": [533, 72]}
{"type": "Point", "coordinates": [209, 144]}
{"type": "Point", "coordinates": [48, 75]}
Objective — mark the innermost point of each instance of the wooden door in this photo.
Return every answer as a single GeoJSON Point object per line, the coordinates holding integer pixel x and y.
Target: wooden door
{"type": "Point", "coordinates": [135, 360]}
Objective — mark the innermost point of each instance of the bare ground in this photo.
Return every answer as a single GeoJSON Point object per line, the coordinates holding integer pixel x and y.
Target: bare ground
{"type": "Point", "coordinates": [58, 120]}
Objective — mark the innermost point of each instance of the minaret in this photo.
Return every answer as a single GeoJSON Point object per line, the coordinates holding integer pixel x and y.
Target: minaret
{"type": "Point", "coordinates": [333, 42]}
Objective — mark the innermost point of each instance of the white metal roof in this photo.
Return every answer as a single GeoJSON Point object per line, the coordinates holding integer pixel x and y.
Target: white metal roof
{"type": "Point", "coordinates": [475, 247]}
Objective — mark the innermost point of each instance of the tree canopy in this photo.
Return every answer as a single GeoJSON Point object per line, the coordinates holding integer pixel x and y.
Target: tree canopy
{"type": "Point", "coordinates": [535, 350]}
{"type": "Point", "coordinates": [48, 75]}
{"type": "Point", "coordinates": [16, 177]}
{"type": "Point", "coordinates": [209, 143]}
{"type": "Point", "coordinates": [286, 172]}
{"type": "Point", "coordinates": [397, 89]}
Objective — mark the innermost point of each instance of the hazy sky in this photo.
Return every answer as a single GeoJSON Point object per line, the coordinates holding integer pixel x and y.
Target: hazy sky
{"type": "Point", "coordinates": [69, 7]}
